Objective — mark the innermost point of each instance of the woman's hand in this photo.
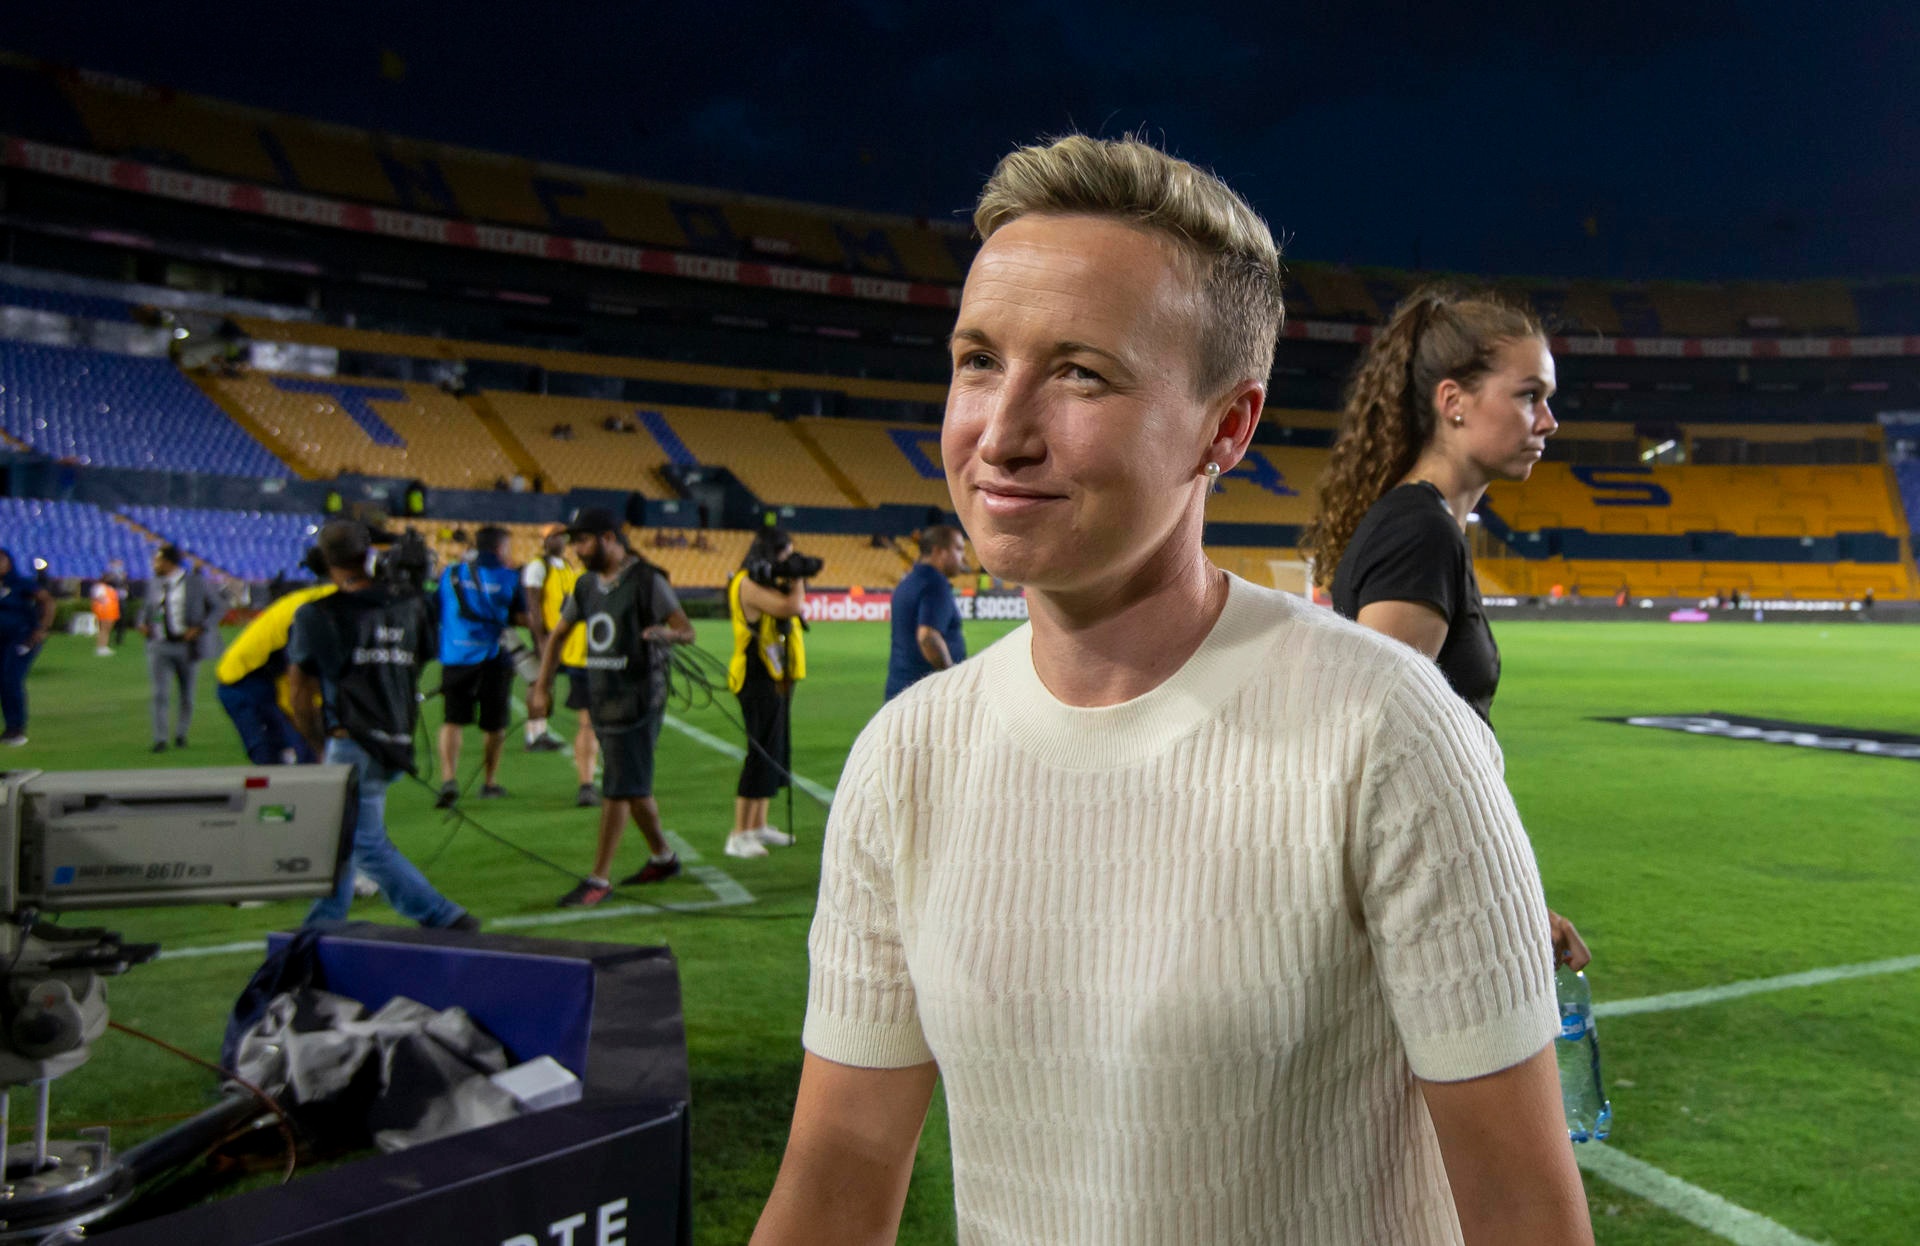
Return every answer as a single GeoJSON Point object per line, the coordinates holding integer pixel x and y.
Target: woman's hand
{"type": "Point", "coordinates": [1569, 948]}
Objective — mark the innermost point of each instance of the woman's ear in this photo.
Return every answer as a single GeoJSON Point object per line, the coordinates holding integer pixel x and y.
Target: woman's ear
{"type": "Point", "coordinates": [1233, 428]}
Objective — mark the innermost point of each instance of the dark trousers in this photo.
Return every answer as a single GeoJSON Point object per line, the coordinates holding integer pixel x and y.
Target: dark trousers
{"type": "Point", "coordinates": [266, 732]}
{"type": "Point", "coordinates": [764, 713]}
{"type": "Point", "coordinates": [15, 662]}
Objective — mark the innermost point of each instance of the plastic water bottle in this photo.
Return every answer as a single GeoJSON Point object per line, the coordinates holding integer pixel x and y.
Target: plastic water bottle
{"type": "Point", "coordinates": [1582, 1093]}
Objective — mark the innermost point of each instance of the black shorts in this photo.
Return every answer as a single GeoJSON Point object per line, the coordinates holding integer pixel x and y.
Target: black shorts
{"type": "Point", "coordinates": [487, 685]}
{"type": "Point", "coordinates": [628, 758]}
{"type": "Point", "coordinates": [576, 687]}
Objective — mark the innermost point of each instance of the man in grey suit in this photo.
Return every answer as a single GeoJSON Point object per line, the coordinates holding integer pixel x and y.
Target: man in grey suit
{"type": "Point", "coordinates": [182, 623]}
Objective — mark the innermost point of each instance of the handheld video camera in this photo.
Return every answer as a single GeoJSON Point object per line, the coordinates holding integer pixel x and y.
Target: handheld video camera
{"type": "Point", "coordinates": [782, 573]}
{"type": "Point", "coordinates": [403, 563]}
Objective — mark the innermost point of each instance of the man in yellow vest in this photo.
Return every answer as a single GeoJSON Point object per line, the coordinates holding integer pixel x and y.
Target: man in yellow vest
{"type": "Point", "coordinates": [548, 581]}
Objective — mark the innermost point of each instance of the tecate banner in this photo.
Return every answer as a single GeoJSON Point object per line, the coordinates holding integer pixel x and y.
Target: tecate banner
{"type": "Point", "coordinates": [1008, 605]}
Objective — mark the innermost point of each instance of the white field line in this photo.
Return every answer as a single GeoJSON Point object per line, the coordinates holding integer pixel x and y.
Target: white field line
{"type": "Point", "coordinates": [815, 790]}
{"type": "Point", "coordinates": [727, 893]}
{"type": "Point", "coordinates": [714, 742]}
{"type": "Point", "coordinates": [1753, 986]}
{"type": "Point", "coordinates": [1689, 1202]}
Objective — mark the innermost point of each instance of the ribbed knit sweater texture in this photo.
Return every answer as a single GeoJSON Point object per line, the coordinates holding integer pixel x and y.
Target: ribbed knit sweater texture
{"type": "Point", "coordinates": [1181, 959]}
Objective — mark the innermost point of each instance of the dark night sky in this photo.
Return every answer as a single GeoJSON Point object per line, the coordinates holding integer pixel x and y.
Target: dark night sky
{"type": "Point", "coordinates": [1704, 140]}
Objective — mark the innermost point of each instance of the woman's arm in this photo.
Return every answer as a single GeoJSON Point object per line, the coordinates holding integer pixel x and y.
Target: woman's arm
{"type": "Point", "coordinates": [844, 1178]}
{"type": "Point", "coordinates": [1503, 1139]}
{"type": "Point", "coordinates": [1416, 623]}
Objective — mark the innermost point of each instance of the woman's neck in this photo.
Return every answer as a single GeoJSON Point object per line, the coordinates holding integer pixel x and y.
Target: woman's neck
{"type": "Point", "coordinates": [1461, 485]}
{"type": "Point", "coordinates": [1114, 642]}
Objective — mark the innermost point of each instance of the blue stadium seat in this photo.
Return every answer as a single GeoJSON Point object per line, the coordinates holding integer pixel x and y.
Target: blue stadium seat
{"type": "Point", "coordinates": [82, 306]}
{"type": "Point", "coordinates": [74, 538]}
{"type": "Point", "coordinates": [119, 411]}
{"type": "Point", "coordinates": [253, 545]}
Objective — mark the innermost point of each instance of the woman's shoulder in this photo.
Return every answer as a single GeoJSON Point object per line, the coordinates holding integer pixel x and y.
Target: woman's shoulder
{"type": "Point", "coordinates": [1406, 515]}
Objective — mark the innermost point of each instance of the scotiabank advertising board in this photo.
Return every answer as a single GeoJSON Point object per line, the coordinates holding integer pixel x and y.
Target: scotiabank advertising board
{"type": "Point", "coordinates": [859, 607]}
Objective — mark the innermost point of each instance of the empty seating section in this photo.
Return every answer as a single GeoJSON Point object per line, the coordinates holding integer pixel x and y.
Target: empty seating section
{"type": "Point", "coordinates": [208, 136]}
{"type": "Point", "coordinates": [380, 428]}
{"type": "Point", "coordinates": [693, 558]}
{"type": "Point", "coordinates": [80, 306]}
{"type": "Point", "coordinates": [252, 545]}
{"type": "Point", "coordinates": [413, 346]}
{"type": "Point", "coordinates": [1908, 476]}
{"type": "Point", "coordinates": [589, 456]}
{"type": "Point", "coordinates": [1674, 500]}
{"type": "Point", "coordinates": [1272, 485]}
{"type": "Point", "coordinates": [1338, 294]}
{"type": "Point", "coordinates": [761, 451]}
{"type": "Point", "coordinates": [119, 411]}
{"type": "Point", "coordinates": [75, 539]}
{"type": "Point", "coordinates": [885, 462]}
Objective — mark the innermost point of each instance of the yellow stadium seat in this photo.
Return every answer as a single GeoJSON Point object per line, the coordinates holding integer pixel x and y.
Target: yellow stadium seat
{"type": "Point", "coordinates": [441, 440]}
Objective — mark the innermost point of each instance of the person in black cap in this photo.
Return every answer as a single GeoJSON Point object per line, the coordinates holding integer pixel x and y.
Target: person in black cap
{"type": "Point", "coordinates": [631, 615]}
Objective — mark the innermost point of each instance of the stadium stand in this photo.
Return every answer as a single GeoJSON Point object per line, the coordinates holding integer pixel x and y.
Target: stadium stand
{"type": "Point", "coordinates": [250, 545]}
{"type": "Point", "coordinates": [695, 558]}
{"type": "Point", "coordinates": [75, 539]}
{"type": "Point", "coordinates": [694, 376]}
{"type": "Point", "coordinates": [758, 449]}
{"type": "Point", "coordinates": [60, 302]}
{"type": "Point", "coordinates": [184, 131]}
{"type": "Point", "coordinates": [1677, 500]}
{"type": "Point", "coordinates": [1272, 485]}
{"type": "Point", "coordinates": [590, 455]}
{"type": "Point", "coordinates": [1907, 474]}
{"type": "Point", "coordinates": [325, 426]}
{"type": "Point", "coordinates": [119, 411]}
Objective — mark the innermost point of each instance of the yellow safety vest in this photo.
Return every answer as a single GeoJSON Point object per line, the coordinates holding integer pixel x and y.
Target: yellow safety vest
{"type": "Point", "coordinates": [785, 655]}
{"type": "Point", "coordinates": [554, 591]}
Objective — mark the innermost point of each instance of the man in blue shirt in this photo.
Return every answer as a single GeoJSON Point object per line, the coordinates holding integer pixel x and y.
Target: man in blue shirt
{"type": "Point", "coordinates": [479, 600]}
{"type": "Point", "coordinates": [926, 622]}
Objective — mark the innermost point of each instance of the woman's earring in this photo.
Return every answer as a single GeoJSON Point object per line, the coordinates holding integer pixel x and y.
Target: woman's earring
{"type": "Point", "coordinates": [1458, 420]}
{"type": "Point", "coordinates": [1212, 472]}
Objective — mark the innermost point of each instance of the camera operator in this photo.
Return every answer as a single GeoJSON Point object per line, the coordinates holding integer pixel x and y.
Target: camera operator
{"type": "Point", "coordinates": [764, 600]}
{"type": "Point", "coordinates": [361, 650]}
{"type": "Point", "coordinates": [479, 600]}
{"type": "Point", "coordinates": [630, 615]}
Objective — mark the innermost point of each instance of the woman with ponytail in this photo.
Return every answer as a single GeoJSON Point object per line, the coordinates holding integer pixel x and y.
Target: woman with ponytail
{"type": "Point", "coordinates": [1451, 396]}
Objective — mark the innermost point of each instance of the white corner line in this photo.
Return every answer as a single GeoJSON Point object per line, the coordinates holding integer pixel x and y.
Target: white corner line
{"type": "Point", "coordinates": [1689, 1202]}
{"type": "Point", "coordinates": [714, 742]}
{"type": "Point", "coordinates": [1752, 986]}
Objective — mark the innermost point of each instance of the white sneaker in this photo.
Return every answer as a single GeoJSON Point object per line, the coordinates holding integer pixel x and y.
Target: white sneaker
{"type": "Point", "coordinates": [745, 844]}
{"type": "Point", "coordinates": [103, 653]}
{"type": "Point", "coordinates": [773, 837]}
{"type": "Point", "coordinates": [364, 887]}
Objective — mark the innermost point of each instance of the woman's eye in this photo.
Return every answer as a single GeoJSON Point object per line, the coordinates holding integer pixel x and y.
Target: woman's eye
{"type": "Point", "coordinates": [1079, 373]}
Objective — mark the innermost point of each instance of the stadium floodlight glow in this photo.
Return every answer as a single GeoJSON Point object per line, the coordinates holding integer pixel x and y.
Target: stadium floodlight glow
{"type": "Point", "coordinates": [1657, 451]}
{"type": "Point", "coordinates": [39, 564]}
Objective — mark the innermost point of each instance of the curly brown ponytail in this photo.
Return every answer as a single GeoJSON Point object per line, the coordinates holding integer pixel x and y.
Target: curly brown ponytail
{"type": "Point", "coordinates": [1436, 334]}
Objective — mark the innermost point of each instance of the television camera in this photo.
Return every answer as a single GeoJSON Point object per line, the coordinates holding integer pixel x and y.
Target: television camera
{"type": "Point", "coordinates": [130, 839]}
{"type": "Point", "coordinates": [781, 573]}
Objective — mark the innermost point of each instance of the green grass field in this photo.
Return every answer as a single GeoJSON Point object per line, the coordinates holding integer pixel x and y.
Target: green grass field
{"type": "Point", "coordinates": [1687, 863]}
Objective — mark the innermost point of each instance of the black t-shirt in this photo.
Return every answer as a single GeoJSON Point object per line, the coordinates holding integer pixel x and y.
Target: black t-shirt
{"type": "Point", "coordinates": [1408, 548]}
{"type": "Point", "coordinates": [367, 649]}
